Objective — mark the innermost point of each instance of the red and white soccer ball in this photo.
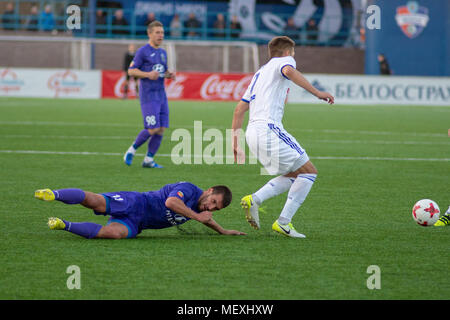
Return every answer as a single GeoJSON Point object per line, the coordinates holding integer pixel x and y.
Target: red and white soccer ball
{"type": "Point", "coordinates": [425, 212]}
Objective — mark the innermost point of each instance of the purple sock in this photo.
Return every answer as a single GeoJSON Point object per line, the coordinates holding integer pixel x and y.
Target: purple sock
{"type": "Point", "coordinates": [141, 138]}
{"type": "Point", "coordinates": [69, 196]}
{"type": "Point", "coordinates": [154, 143]}
{"type": "Point", "coordinates": [85, 229]}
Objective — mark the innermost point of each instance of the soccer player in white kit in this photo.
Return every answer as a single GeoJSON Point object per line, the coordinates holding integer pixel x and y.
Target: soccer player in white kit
{"type": "Point", "coordinates": [277, 150]}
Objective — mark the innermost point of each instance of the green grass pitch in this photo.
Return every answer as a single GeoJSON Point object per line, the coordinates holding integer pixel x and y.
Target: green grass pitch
{"type": "Point", "coordinates": [374, 163]}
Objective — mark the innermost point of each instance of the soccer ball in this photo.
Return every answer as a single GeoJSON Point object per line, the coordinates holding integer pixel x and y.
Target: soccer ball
{"type": "Point", "coordinates": [425, 212]}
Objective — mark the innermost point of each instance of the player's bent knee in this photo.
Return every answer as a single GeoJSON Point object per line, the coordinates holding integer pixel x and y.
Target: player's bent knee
{"type": "Point", "coordinates": [113, 231]}
{"type": "Point", "coordinates": [159, 131]}
{"type": "Point", "coordinates": [94, 201]}
{"type": "Point", "coordinates": [307, 168]}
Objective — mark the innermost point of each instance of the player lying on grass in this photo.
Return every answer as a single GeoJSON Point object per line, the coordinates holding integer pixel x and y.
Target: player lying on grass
{"type": "Point", "coordinates": [131, 212]}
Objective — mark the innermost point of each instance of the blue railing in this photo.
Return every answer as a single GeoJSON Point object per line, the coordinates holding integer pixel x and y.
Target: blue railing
{"type": "Point", "coordinates": [106, 25]}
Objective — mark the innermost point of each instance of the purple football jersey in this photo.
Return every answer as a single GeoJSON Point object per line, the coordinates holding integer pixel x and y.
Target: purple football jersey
{"type": "Point", "coordinates": [149, 59]}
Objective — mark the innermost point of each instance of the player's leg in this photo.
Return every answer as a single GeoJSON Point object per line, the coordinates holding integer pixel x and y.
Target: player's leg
{"type": "Point", "coordinates": [90, 230]}
{"type": "Point", "coordinates": [305, 177]}
{"type": "Point", "coordinates": [114, 204]}
{"type": "Point", "coordinates": [74, 196]}
{"type": "Point", "coordinates": [251, 203]}
{"type": "Point", "coordinates": [444, 220]}
{"type": "Point", "coordinates": [87, 230]}
{"type": "Point", "coordinates": [68, 196]}
{"type": "Point", "coordinates": [161, 121]}
{"type": "Point", "coordinates": [136, 85]}
{"type": "Point", "coordinates": [88, 199]}
{"type": "Point", "coordinates": [114, 230]}
{"type": "Point", "coordinates": [125, 87]}
{"type": "Point", "coordinates": [141, 138]}
{"type": "Point", "coordinates": [264, 144]}
{"type": "Point", "coordinates": [150, 112]}
{"type": "Point", "coordinates": [153, 146]}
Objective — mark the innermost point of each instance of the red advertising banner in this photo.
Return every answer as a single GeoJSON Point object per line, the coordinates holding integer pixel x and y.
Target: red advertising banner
{"type": "Point", "coordinates": [186, 86]}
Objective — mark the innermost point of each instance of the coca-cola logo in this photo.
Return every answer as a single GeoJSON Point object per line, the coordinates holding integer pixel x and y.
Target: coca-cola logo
{"type": "Point", "coordinates": [175, 88]}
{"type": "Point", "coordinates": [119, 88]}
{"type": "Point", "coordinates": [214, 87]}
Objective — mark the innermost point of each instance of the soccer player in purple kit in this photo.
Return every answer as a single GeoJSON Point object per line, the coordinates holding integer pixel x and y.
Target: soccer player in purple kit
{"type": "Point", "coordinates": [150, 65]}
{"type": "Point", "coordinates": [131, 212]}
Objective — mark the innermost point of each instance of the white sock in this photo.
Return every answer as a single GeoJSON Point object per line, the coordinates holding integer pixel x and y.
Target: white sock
{"type": "Point", "coordinates": [297, 194]}
{"type": "Point", "coordinates": [274, 187]}
{"type": "Point", "coordinates": [448, 212]}
{"type": "Point", "coordinates": [131, 150]}
{"type": "Point", "coordinates": [148, 159]}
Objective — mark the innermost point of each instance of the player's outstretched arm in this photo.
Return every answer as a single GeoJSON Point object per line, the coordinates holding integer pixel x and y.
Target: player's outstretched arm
{"type": "Point", "coordinates": [295, 76]}
{"type": "Point", "coordinates": [219, 229]}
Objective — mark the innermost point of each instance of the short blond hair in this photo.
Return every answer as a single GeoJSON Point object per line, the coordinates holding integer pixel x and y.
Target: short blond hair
{"type": "Point", "coordinates": [279, 45]}
{"type": "Point", "coordinates": [153, 24]}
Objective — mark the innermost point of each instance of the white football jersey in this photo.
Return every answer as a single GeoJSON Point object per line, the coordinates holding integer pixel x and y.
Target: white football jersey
{"type": "Point", "coordinates": [268, 90]}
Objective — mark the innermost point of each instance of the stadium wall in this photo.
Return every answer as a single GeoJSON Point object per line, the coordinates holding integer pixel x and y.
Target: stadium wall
{"type": "Point", "coordinates": [354, 89]}
{"type": "Point", "coordinates": [64, 54]}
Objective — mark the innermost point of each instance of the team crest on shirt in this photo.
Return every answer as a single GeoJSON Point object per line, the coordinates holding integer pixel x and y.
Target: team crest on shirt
{"type": "Point", "coordinates": [160, 68]}
{"type": "Point", "coordinates": [163, 58]}
{"type": "Point", "coordinates": [412, 19]}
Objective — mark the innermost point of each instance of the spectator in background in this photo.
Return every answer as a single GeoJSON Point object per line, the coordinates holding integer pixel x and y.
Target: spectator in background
{"type": "Point", "coordinates": [362, 38]}
{"type": "Point", "coordinates": [150, 19]}
{"type": "Point", "coordinates": [100, 21]}
{"type": "Point", "coordinates": [219, 26]}
{"type": "Point", "coordinates": [175, 26]}
{"type": "Point", "coordinates": [32, 20]}
{"type": "Point", "coordinates": [129, 56]}
{"type": "Point", "coordinates": [235, 27]}
{"type": "Point", "coordinates": [191, 25]}
{"type": "Point", "coordinates": [291, 30]}
{"type": "Point", "coordinates": [47, 19]}
{"type": "Point", "coordinates": [384, 65]}
{"type": "Point", "coordinates": [8, 17]}
{"type": "Point", "coordinates": [142, 30]}
{"type": "Point", "coordinates": [312, 32]}
{"type": "Point", "coordinates": [120, 23]}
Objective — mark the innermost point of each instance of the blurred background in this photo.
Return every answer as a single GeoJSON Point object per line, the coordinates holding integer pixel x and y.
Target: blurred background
{"type": "Point", "coordinates": [340, 37]}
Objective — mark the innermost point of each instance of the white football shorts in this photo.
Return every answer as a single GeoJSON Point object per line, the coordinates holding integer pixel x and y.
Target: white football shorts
{"type": "Point", "coordinates": [277, 151]}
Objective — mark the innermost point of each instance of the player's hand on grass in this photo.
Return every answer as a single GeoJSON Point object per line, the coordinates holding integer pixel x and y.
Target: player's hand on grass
{"type": "Point", "coordinates": [153, 75]}
{"type": "Point", "coordinates": [234, 233]}
{"type": "Point", "coordinates": [326, 97]}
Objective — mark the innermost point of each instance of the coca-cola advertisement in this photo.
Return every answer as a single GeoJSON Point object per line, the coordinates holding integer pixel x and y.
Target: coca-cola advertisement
{"type": "Point", "coordinates": [186, 86]}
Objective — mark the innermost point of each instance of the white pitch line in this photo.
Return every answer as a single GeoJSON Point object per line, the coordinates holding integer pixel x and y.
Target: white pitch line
{"type": "Point", "coordinates": [88, 153]}
{"type": "Point", "coordinates": [27, 136]}
{"type": "Point", "coordinates": [381, 142]}
{"type": "Point", "coordinates": [204, 126]}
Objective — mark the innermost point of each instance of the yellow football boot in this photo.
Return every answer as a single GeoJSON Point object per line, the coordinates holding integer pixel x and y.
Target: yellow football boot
{"type": "Point", "coordinates": [44, 194]}
{"type": "Point", "coordinates": [251, 211]}
{"type": "Point", "coordinates": [56, 224]}
{"type": "Point", "coordinates": [287, 230]}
